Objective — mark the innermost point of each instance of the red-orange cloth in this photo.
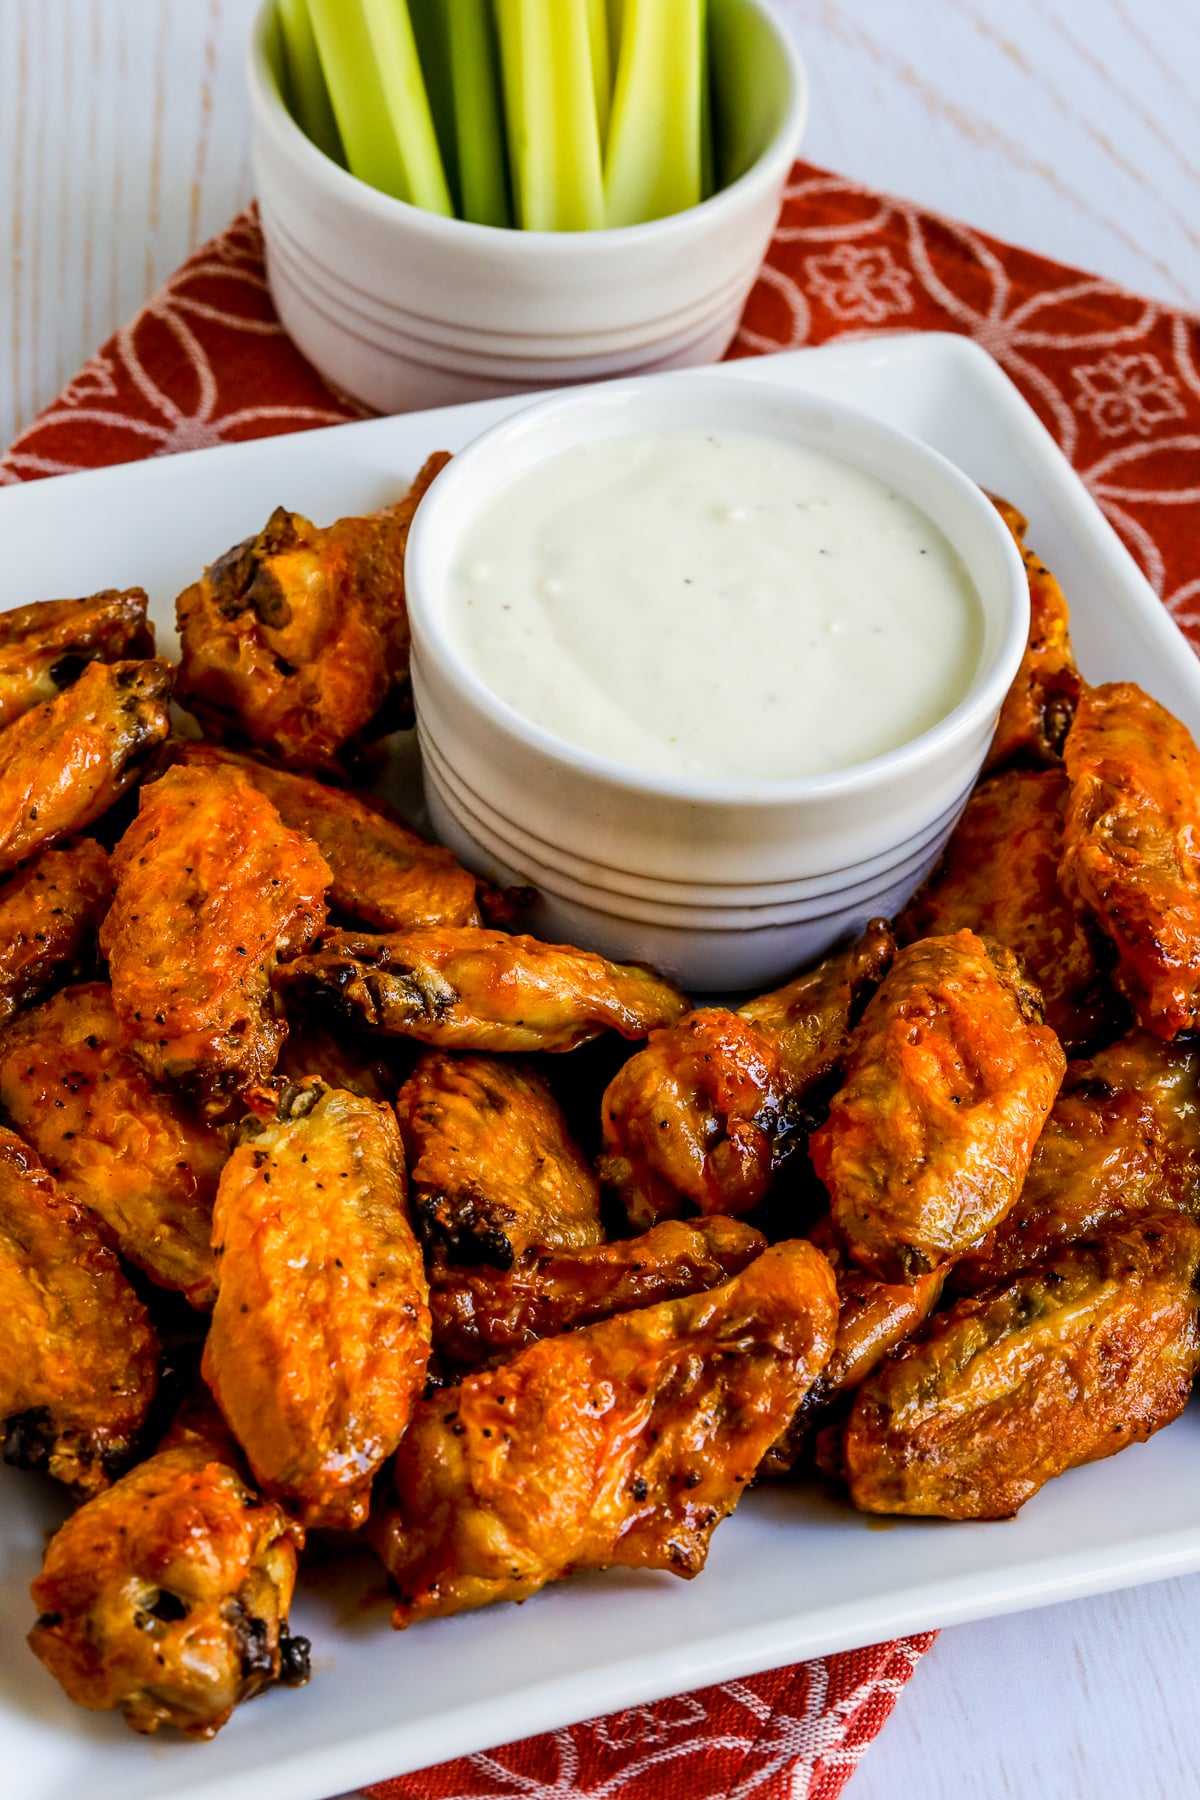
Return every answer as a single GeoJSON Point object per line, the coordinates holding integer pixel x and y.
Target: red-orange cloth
{"type": "Point", "coordinates": [1117, 381]}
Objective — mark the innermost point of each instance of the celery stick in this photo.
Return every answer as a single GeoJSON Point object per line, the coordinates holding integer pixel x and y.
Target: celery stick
{"type": "Point", "coordinates": [554, 146]}
{"type": "Point", "coordinates": [303, 83]}
{"type": "Point", "coordinates": [370, 61]}
{"type": "Point", "coordinates": [601, 65]}
{"type": "Point", "coordinates": [478, 113]}
{"type": "Point", "coordinates": [429, 23]}
{"type": "Point", "coordinates": [653, 165]}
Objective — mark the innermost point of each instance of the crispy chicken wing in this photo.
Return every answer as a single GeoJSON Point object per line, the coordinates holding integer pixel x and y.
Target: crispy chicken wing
{"type": "Point", "coordinates": [492, 1164]}
{"type": "Point", "coordinates": [78, 1357]}
{"type": "Point", "coordinates": [385, 875]}
{"type": "Point", "coordinates": [50, 912]}
{"type": "Point", "coordinates": [144, 1163]}
{"type": "Point", "coordinates": [362, 1063]}
{"type": "Point", "coordinates": [67, 760]}
{"type": "Point", "coordinates": [999, 877]}
{"type": "Point", "coordinates": [320, 1335]}
{"type": "Point", "coordinates": [1041, 702]}
{"type": "Point", "coordinates": [622, 1443]}
{"type": "Point", "coordinates": [211, 890]}
{"type": "Point", "coordinates": [1132, 847]}
{"type": "Point", "coordinates": [1094, 1350]}
{"type": "Point", "coordinates": [707, 1112]}
{"type": "Point", "coordinates": [1123, 1137]}
{"type": "Point", "coordinates": [296, 641]}
{"type": "Point", "coordinates": [483, 1314]}
{"type": "Point", "coordinates": [46, 646]}
{"type": "Point", "coordinates": [948, 1082]}
{"type": "Point", "coordinates": [478, 990]}
{"type": "Point", "coordinates": [168, 1596]}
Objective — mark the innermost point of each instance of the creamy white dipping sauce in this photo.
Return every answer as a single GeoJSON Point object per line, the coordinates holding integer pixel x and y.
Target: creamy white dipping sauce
{"type": "Point", "coordinates": [715, 604]}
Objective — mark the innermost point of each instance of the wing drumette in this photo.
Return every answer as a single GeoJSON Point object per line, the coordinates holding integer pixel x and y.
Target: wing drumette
{"type": "Point", "coordinates": [168, 1596]}
{"type": "Point", "coordinates": [66, 761]}
{"type": "Point", "coordinates": [622, 1443]}
{"type": "Point", "coordinates": [1132, 852]}
{"type": "Point", "coordinates": [50, 912]}
{"type": "Point", "coordinates": [493, 1167]}
{"type": "Point", "coordinates": [211, 890]}
{"type": "Point", "coordinates": [296, 641]}
{"type": "Point", "coordinates": [478, 990]}
{"type": "Point", "coordinates": [45, 647]}
{"type": "Point", "coordinates": [78, 1357]}
{"type": "Point", "coordinates": [708, 1111]}
{"type": "Point", "coordinates": [1072, 1361]}
{"type": "Point", "coordinates": [948, 1083]}
{"type": "Point", "coordinates": [320, 1335]}
{"type": "Point", "coordinates": [1041, 702]}
{"type": "Point", "coordinates": [136, 1155]}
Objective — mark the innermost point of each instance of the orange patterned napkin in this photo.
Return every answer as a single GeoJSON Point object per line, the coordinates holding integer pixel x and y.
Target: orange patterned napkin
{"type": "Point", "coordinates": [1117, 381]}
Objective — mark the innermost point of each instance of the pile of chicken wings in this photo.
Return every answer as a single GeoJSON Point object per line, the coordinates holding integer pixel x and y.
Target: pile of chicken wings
{"type": "Point", "coordinates": [329, 1202]}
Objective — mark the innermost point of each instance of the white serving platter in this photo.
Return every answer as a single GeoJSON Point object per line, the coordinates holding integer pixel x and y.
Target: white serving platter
{"type": "Point", "coordinates": [795, 1573]}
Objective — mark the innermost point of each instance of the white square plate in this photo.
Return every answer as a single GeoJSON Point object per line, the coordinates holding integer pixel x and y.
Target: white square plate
{"type": "Point", "coordinates": [794, 1573]}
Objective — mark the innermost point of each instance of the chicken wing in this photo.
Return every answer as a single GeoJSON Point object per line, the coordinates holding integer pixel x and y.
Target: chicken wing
{"type": "Point", "coordinates": [478, 990]}
{"type": "Point", "coordinates": [1123, 1137]}
{"type": "Point", "coordinates": [212, 889]}
{"type": "Point", "coordinates": [50, 912]}
{"type": "Point", "coordinates": [357, 1061]}
{"type": "Point", "coordinates": [320, 1334]}
{"type": "Point", "coordinates": [492, 1164]}
{"type": "Point", "coordinates": [1068, 1363]}
{"type": "Point", "coordinates": [137, 1156]}
{"type": "Point", "coordinates": [384, 875]}
{"type": "Point", "coordinates": [622, 1443]}
{"type": "Point", "coordinates": [168, 1596]}
{"type": "Point", "coordinates": [999, 877]}
{"type": "Point", "coordinates": [483, 1314]}
{"type": "Point", "coordinates": [67, 760]}
{"type": "Point", "coordinates": [45, 647]}
{"type": "Point", "coordinates": [1132, 847]}
{"type": "Point", "coordinates": [296, 641]}
{"type": "Point", "coordinates": [948, 1082]}
{"type": "Point", "coordinates": [78, 1357]}
{"type": "Point", "coordinates": [708, 1111]}
{"type": "Point", "coordinates": [1041, 702]}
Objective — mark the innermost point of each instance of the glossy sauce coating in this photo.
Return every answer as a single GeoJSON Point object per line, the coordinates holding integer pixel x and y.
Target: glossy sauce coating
{"type": "Point", "coordinates": [1041, 702]}
{"type": "Point", "coordinates": [45, 646]}
{"type": "Point", "coordinates": [50, 913]}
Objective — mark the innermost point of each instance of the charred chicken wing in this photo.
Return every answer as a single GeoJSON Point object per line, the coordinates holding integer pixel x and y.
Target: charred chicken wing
{"type": "Point", "coordinates": [320, 1335]}
{"type": "Point", "coordinates": [948, 1082]}
{"type": "Point", "coordinates": [67, 760]}
{"type": "Point", "coordinates": [999, 877]}
{"type": "Point", "coordinates": [1041, 702]}
{"type": "Point", "coordinates": [707, 1112]}
{"type": "Point", "coordinates": [483, 1314]}
{"type": "Point", "coordinates": [493, 1167]}
{"type": "Point", "coordinates": [168, 1596]}
{"type": "Point", "coordinates": [478, 990]}
{"type": "Point", "coordinates": [1093, 1350]}
{"type": "Point", "coordinates": [296, 642]}
{"type": "Point", "coordinates": [50, 912]}
{"type": "Point", "coordinates": [211, 890]}
{"type": "Point", "coordinates": [78, 1357]}
{"type": "Point", "coordinates": [622, 1443]}
{"type": "Point", "coordinates": [1132, 853]}
{"type": "Point", "coordinates": [46, 646]}
{"type": "Point", "coordinates": [144, 1163]}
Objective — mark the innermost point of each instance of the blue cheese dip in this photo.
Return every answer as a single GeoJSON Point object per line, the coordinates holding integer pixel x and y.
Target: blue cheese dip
{"type": "Point", "coordinates": [715, 605]}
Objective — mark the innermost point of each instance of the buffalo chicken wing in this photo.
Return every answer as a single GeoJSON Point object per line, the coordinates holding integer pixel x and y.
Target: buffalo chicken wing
{"type": "Point", "coordinates": [46, 646]}
{"type": "Point", "coordinates": [50, 912]}
{"type": "Point", "coordinates": [1041, 702]}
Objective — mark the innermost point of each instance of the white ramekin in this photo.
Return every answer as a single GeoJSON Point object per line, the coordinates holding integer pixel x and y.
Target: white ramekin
{"type": "Point", "coordinates": [724, 885]}
{"type": "Point", "coordinates": [403, 308]}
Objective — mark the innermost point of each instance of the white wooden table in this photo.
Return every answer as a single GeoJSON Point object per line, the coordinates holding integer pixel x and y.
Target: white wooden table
{"type": "Point", "coordinates": [1072, 126]}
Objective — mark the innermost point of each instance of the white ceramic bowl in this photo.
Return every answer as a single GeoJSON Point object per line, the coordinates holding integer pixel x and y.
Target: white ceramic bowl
{"type": "Point", "coordinates": [724, 885]}
{"type": "Point", "coordinates": [403, 308]}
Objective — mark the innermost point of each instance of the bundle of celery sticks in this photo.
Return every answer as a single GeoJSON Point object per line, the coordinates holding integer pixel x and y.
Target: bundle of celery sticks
{"type": "Point", "coordinates": [551, 115]}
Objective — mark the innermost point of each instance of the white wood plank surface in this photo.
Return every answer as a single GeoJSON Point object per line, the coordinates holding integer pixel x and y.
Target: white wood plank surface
{"type": "Point", "coordinates": [1072, 126]}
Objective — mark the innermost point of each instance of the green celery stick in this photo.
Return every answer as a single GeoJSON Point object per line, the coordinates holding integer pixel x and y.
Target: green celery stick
{"type": "Point", "coordinates": [554, 146]}
{"type": "Point", "coordinates": [429, 23]}
{"type": "Point", "coordinates": [369, 56]}
{"type": "Point", "coordinates": [478, 112]}
{"type": "Point", "coordinates": [601, 64]}
{"type": "Point", "coordinates": [654, 162]}
{"type": "Point", "coordinates": [303, 82]}
{"type": "Point", "coordinates": [708, 178]}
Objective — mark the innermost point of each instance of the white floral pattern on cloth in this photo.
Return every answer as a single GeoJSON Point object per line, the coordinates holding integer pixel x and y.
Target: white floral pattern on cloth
{"type": "Point", "coordinates": [1127, 393]}
{"type": "Point", "coordinates": [859, 286]}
